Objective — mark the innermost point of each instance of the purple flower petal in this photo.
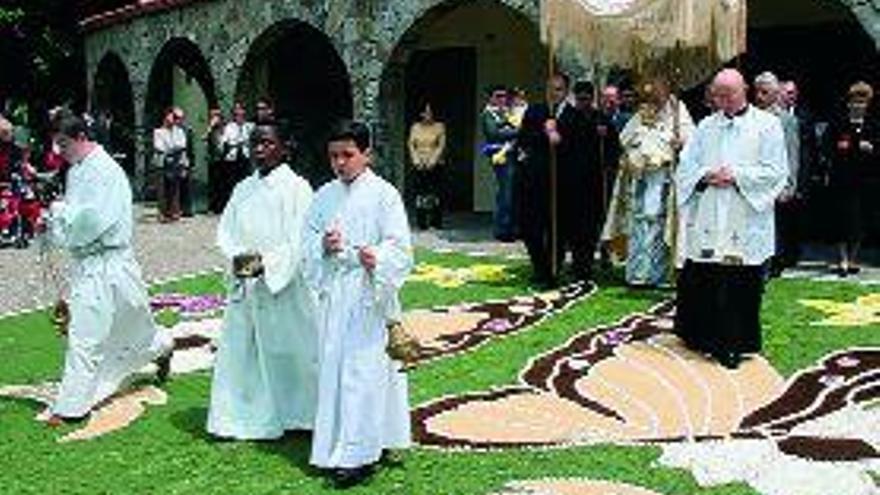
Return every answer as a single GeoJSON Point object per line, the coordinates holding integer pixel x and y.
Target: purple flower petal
{"type": "Point", "coordinates": [498, 325]}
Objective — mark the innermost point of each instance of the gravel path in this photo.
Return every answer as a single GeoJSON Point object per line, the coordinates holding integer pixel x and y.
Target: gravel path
{"type": "Point", "coordinates": [163, 250]}
{"type": "Point", "coordinates": [167, 251]}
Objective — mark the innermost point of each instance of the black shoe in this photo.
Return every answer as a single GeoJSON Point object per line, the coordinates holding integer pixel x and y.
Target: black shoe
{"type": "Point", "coordinates": [163, 367]}
{"type": "Point", "coordinates": [344, 478]}
{"type": "Point", "coordinates": [583, 275]}
{"type": "Point", "coordinates": [853, 270]}
{"type": "Point", "coordinates": [729, 360]}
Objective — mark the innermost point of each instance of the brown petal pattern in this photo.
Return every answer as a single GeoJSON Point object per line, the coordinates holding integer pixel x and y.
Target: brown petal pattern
{"type": "Point", "coordinates": [635, 382]}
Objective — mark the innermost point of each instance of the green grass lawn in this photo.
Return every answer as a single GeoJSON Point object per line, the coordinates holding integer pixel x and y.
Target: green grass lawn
{"type": "Point", "coordinates": [168, 452]}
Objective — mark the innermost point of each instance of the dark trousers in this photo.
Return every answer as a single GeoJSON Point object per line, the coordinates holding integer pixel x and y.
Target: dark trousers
{"type": "Point", "coordinates": [185, 194]}
{"type": "Point", "coordinates": [538, 245]}
{"type": "Point", "coordinates": [169, 205]}
{"type": "Point", "coordinates": [228, 174]}
{"type": "Point", "coordinates": [718, 307]}
{"type": "Point", "coordinates": [578, 235]}
{"type": "Point", "coordinates": [788, 234]}
{"type": "Point", "coordinates": [428, 185]}
{"type": "Point", "coordinates": [215, 187]}
{"type": "Point", "coordinates": [504, 219]}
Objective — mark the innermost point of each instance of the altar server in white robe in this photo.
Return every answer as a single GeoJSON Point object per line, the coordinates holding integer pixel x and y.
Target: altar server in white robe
{"type": "Point", "coordinates": [358, 256]}
{"type": "Point", "coordinates": [265, 375]}
{"type": "Point", "coordinates": [111, 332]}
{"type": "Point", "coordinates": [731, 172]}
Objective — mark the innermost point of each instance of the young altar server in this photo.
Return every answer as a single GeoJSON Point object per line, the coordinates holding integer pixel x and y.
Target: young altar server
{"type": "Point", "coordinates": [111, 333]}
{"type": "Point", "coordinates": [358, 254]}
{"type": "Point", "coordinates": [265, 376]}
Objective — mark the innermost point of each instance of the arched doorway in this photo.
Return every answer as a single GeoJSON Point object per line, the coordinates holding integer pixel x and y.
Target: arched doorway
{"type": "Point", "coordinates": [181, 77]}
{"type": "Point", "coordinates": [450, 57]}
{"type": "Point", "coordinates": [112, 96]}
{"type": "Point", "coordinates": [824, 48]}
{"type": "Point", "coordinates": [297, 68]}
{"type": "Point", "coordinates": [817, 43]}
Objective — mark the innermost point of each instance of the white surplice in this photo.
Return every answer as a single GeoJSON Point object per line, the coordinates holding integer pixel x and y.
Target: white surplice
{"type": "Point", "coordinates": [733, 225]}
{"type": "Point", "coordinates": [112, 333]}
{"type": "Point", "coordinates": [362, 396]}
{"type": "Point", "coordinates": [265, 374]}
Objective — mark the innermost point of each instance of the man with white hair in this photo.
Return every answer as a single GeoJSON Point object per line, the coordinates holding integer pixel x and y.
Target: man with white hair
{"type": "Point", "coordinates": [731, 171]}
{"type": "Point", "coordinates": [769, 97]}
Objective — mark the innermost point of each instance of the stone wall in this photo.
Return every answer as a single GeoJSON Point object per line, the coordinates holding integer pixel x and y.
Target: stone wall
{"type": "Point", "coordinates": [365, 34]}
{"type": "Point", "coordinates": [372, 37]}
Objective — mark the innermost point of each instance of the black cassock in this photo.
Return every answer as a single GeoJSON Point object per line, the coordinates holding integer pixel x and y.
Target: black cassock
{"type": "Point", "coordinates": [718, 307]}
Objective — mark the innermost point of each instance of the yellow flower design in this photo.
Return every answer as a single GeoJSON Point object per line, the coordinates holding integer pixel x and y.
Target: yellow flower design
{"type": "Point", "coordinates": [449, 278]}
{"type": "Point", "coordinates": [865, 310]}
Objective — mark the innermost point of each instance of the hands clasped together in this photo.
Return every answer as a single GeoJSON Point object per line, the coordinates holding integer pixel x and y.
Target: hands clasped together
{"type": "Point", "coordinates": [720, 177]}
{"type": "Point", "coordinates": [334, 244]}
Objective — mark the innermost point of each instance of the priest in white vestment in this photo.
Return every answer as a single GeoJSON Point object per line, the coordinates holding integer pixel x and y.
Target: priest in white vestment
{"type": "Point", "coordinates": [358, 256]}
{"type": "Point", "coordinates": [265, 374]}
{"type": "Point", "coordinates": [111, 332]}
{"type": "Point", "coordinates": [731, 172]}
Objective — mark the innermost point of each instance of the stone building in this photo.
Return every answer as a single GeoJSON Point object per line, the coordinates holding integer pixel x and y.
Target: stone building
{"type": "Point", "coordinates": [374, 59]}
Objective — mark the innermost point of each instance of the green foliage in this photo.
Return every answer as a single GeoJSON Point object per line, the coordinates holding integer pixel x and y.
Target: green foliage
{"type": "Point", "coordinates": [42, 52]}
{"type": "Point", "coordinates": [10, 16]}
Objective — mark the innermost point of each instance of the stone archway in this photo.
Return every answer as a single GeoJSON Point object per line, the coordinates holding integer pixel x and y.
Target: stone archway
{"type": "Point", "coordinates": [449, 56]}
{"type": "Point", "coordinates": [298, 69]}
{"type": "Point", "coordinates": [112, 95]}
{"type": "Point", "coordinates": [180, 76]}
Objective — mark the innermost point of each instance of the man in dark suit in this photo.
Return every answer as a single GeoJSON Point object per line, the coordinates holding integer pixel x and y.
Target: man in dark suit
{"type": "Point", "coordinates": [544, 136]}
{"type": "Point", "coordinates": [790, 222]}
{"type": "Point", "coordinates": [581, 183]}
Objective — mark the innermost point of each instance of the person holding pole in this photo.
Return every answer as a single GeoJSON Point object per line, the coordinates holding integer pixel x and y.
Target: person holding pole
{"type": "Point", "coordinates": [543, 140]}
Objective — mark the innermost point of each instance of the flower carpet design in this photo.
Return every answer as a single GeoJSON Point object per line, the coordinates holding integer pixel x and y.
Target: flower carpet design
{"type": "Point", "coordinates": [635, 383]}
{"type": "Point", "coordinates": [445, 331]}
{"type": "Point", "coordinates": [572, 487]}
{"type": "Point", "coordinates": [189, 306]}
{"type": "Point", "coordinates": [119, 412]}
{"type": "Point", "coordinates": [448, 278]}
{"type": "Point", "coordinates": [441, 332]}
{"type": "Point", "coordinates": [865, 310]}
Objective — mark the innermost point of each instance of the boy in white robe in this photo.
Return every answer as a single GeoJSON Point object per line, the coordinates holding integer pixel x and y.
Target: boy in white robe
{"type": "Point", "coordinates": [731, 172]}
{"type": "Point", "coordinates": [265, 375]}
{"type": "Point", "coordinates": [111, 332]}
{"type": "Point", "coordinates": [358, 255]}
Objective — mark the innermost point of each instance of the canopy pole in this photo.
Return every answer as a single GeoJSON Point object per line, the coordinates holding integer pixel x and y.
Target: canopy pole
{"type": "Point", "coordinates": [554, 222]}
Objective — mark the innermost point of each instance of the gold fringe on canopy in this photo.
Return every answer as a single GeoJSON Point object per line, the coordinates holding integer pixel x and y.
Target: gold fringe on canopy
{"type": "Point", "coordinates": [693, 36]}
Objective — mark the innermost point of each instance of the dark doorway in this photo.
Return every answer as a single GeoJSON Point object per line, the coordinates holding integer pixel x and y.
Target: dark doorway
{"type": "Point", "coordinates": [296, 67]}
{"type": "Point", "coordinates": [182, 55]}
{"type": "Point", "coordinates": [112, 95]}
{"type": "Point", "coordinates": [824, 59]}
{"type": "Point", "coordinates": [181, 77]}
{"type": "Point", "coordinates": [446, 78]}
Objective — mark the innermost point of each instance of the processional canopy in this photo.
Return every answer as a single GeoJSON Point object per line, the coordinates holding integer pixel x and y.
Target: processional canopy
{"type": "Point", "coordinates": [690, 37]}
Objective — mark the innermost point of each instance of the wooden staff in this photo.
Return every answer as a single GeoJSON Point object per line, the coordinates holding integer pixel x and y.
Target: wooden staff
{"type": "Point", "coordinates": [675, 88]}
{"type": "Point", "coordinates": [554, 240]}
